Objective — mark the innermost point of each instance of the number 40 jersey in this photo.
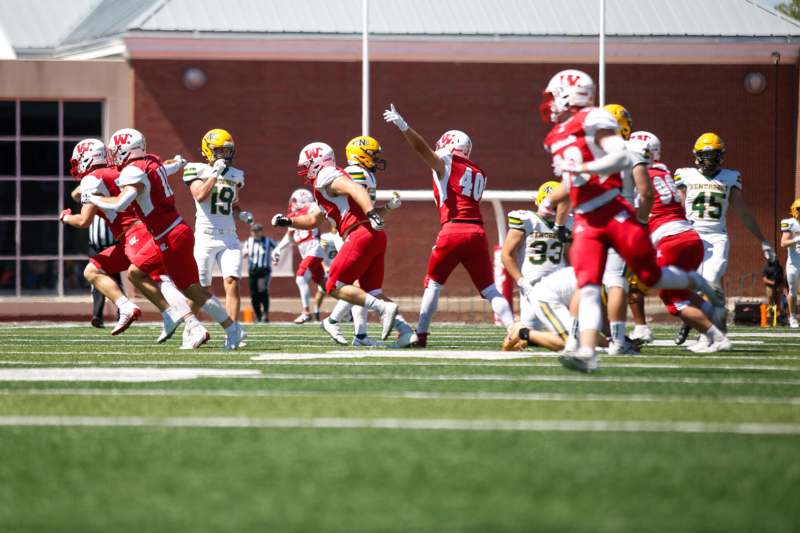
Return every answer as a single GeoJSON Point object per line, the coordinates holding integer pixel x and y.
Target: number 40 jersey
{"type": "Point", "coordinates": [543, 252]}
{"type": "Point", "coordinates": [707, 199]}
{"type": "Point", "coordinates": [216, 212]}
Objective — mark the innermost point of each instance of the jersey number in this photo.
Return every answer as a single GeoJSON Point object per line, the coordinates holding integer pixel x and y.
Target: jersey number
{"type": "Point", "coordinates": [539, 252]}
{"type": "Point", "coordinates": [666, 189]}
{"type": "Point", "coordinates": [470, 187]}
{"type": "Point", "coordinates": [162, 173]}
{"type": "Point", "coordinates": [221, 201]}
{"type": "Point", "coordinates": [708, 206]}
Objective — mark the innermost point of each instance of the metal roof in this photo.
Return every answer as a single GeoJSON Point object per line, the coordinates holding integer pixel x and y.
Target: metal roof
{"type": "Point", "coordinates": [41, 24]}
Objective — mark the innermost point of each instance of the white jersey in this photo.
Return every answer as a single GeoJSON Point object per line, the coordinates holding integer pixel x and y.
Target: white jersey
{"type": "Point", "coordinates": [557, 288]}
{"type": "Point", "coordinates": [365, 178]}
{"type": "Point", "coordinates": [216, 212]}
{"type": "Point", "coordinates": [330, 243]}
{"type": "Point", "coordinates": [640, 155]}
{"type": "Point", "coordinates": [792, 226]}
{"type": "Point", "coordinates": [543, 252]}
{"type": "Point", "coordinates": [707, 199]}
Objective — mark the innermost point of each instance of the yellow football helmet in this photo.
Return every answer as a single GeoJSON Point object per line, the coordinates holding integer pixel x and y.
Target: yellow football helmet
{"type": "Point", "coordinates": [365, 152]}
{"type": "Point", "coordinates": [218, 144]}
{"type": "Point", "coordinates": [544, 189]}
{"type": "Point", "coordinates": [623, 117]}
{"type": "Point", "coordinates": [794, 209]}
{"type": "Point", "coordinates": [708, 151]}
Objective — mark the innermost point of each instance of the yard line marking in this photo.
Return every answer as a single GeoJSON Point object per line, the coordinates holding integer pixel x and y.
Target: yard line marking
{"type": "Point", "coordinates": [604, 426]}
{"type": "Point", "coordinates": [411, 395]}
{"type": "Point", "coordinates": [411, 354]}
{"type": "Point", "coordinates": [128, 375]}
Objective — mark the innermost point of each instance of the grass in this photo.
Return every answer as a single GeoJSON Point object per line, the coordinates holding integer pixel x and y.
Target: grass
{"type": "Point", "coordinates": [665, 441]}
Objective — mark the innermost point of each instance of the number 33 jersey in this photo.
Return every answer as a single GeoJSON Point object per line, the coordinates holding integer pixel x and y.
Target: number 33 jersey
{"type": "Point", "coordinates": [543, 253]}
{"type": "Point", "coordinates": [707, 199]}
{"type": "Point", "coordinates": [216, 212]}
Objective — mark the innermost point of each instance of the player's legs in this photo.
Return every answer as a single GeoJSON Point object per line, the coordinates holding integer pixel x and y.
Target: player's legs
{"type": "Point", "coordinates": [555, 317]}
{"type": "Point", "coordinates": [444, 258]}
{"type": "Point", "coordinates": [792, 276]}
{"type": "Point", "coordinates": [715, 259]}
{"type": "Point", "coordinates": [476, 259]}
{"type": "Point", "coordinates": [108, 261]}
{"type": "Point", "coordinates": [317, 269]}
{"type": "Point", "coordinates": [616, 284]}
{"type": "Point", "coordinates": [302, 278]}
{"type": "Point", "coordinates": [230, 264]}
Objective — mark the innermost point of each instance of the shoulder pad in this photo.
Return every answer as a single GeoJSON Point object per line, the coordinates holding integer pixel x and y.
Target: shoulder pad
{"type": "Point", "coordinates": [194, 171]}
{"type": "Point", "coordinates": [519, 219]}
{"type": "Point", "coordinates": [788, 224]}
{"type": "Point", "coordinates": [90, 184]}
{"type": "Point", "coordinates": [326, 177]}
{"type": "Point", "coordinates": [599, 119]}
{"type": "Point", "coordinates": [679, 175]}
{"type": "Point", "coordinates": [131, 175]}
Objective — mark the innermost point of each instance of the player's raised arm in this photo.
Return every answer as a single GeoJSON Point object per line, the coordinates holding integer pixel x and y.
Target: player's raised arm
{"type": "Point", "coordinates": [746, 216]}
{"type": "Point", "coordinates": [415, 140]}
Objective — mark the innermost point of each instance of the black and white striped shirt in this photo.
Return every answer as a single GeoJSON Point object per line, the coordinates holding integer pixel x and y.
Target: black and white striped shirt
{"type": "Point", "coordinates": [259, 252]}
{"type": "Point", "coordinates": [100, 235]}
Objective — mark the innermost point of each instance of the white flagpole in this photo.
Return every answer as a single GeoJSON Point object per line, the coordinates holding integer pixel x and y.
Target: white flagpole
{"type": "Point", "coordinates": [602, 59]}
{"type": "Point", "coordinates": [364, 68]}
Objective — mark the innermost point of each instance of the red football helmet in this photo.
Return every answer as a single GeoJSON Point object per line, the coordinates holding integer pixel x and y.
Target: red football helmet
{"type": "Point", "coordinates": [87, 155]}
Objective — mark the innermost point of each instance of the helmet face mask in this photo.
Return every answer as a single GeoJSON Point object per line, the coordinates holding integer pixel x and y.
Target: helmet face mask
{"type": "Point", "coordinates": [218, 144]}
{"type": "Point", "coordinates": [709, 161]}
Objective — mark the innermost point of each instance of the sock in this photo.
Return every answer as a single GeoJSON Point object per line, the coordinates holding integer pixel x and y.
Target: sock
{"type": "Point", "coordinates": [714, 334]}
{"type": "Point", "coordinates": [122, 300]}
{"type": "Point", "coordinates": [499, 305]}
{"type": "Point", "coordinates": [672, 278]}
{"type": "Point", "coordinates": [191, 322]}
{"type": "Point", "coordinates": [215, 310]}
{"type": "Point", "coordinates": [340, 311]}
{"type": "Point", "coordinates": [359, 319]}
{"type": "Point", "coordinates": [370, 302]}
{"type": "Point", "coordinates": [305, 293]}
{"type": "Point", "coordinates": [618, 332]}
{"type": "Point", "coordinates": [178, 304]}
{"type": "Point", "coordinates": [430, 301]}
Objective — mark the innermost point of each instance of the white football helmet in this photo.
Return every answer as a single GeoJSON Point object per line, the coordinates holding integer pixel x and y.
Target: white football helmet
{"type": "Point", "coordinates": [299, 199]}
{"type": "Point", "coordinates": [313, 157]}
{"type": "Point", "coordinates": [125, 145]}
{"type": "Point", "coordinates": [454, 142]}
{"type": "Point", "coordinates": [568, 88]}
{"type": "Point", "coordinates": [653, 142]}
{"type": "Point", "coordinates": [87, 154]}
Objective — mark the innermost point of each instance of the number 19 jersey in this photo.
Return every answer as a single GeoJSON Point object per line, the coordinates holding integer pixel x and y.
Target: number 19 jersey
{"type": "Point", "coordinates": [543, 252]}
{"type": "Point", "coordinates": [458, 192]}
{"type": "Point", "coordinates": [707, 199]}
{"type": "Point", "coordinates": [216, 211]}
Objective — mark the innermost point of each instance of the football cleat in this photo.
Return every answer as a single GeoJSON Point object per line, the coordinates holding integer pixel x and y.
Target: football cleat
{"type": "Point", "coordinates": [579, 363]}
{"type": "Point", "coordinates": [706, 346]}
{"type": "Point", "coordinates": [168, 329]}
{"type": "Point", "coordinates": [128, 314]}
{"type": "Point", "coordinates": [333, 331]}
{"type": "Point", "coordinates": [422, 340]}
{"type": "Point", "coordinates": [643, 334]}
{"type": "Point", "coordinates": [303, 318]}
{"type": "Point", "coordinates": [387, 319]}
{"type": "Point", "coordinates": [233, 338]}
{"type": "Point", "coordinates": [512, 341]}
{"type": "Point", "coordinates": [195, 338]}
{"type": "Point", "coordinates": [626, 348]}
{"type": "Point", "coordinates": [793, 322]}
{"type": "Point", "coordinates": [367, 342]}
{"type": "Point", "coordinates": [682, 334]}
{"type": "Point", "coordinates": [405, 339]}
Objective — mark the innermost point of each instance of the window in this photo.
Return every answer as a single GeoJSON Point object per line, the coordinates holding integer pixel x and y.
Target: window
{"type": "Point", "coordinates": [38, 255]}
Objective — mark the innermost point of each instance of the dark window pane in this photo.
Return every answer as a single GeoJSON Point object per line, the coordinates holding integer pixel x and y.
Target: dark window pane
{"type": "Point", "coordinates": [74, 282]}
{"type": "Point", "coordinates": [8, 119]}
{"type": "Point", "coordinates": [39, 158]}
{"type": "Point", "coordinates": [83, 118]}
{"type": "Point", "coordinates": [39, 237]}
{"type": "Point", "coordinates": [69, 146]}
{"type": "Point", "coordinates": [39, 198]}
{"type": "Point", "coordinates": [8, 158]}
{"type": "Point", "coordinates": [69, 185]}
{"type": "Point", "coordinates": [8, 245]}
{"type": "Point", "coordinates": [7, 277]}
{"type": "Point", "coordinates": [8, 198]}
{"type": "Point", "coordinates": [39, 118]}
{"type": "Point", "coordinates": [76, 241]}
{"type": "Point", "coordinates": [39, 276]}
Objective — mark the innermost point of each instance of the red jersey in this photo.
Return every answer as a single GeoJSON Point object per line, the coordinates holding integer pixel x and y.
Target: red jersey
{"type": "Point", "coordinates": [342, 210]}
{"type": "Point", "coordinates": [573, 140]}
{"type": "Point", "coordinates": [667, 216]}
{"type": "Point", "coordinates": [102, 181]}
{"type": "Point", "coordinates": [156, 203]}
{"type": "Point", "coordinates": [458, 192]}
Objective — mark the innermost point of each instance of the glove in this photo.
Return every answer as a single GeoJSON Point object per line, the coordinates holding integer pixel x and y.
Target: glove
{"type": "Point", "coordinates": [219, 166]}
{"type": "Point", "coordinates": [64, 214]}
{"type": "Point", "coordinates": [563, 234]}
{"type": "Point", "coordinates": [375, 220]}
{"type": "Point", "coordinates": [395, 202]}
{"type": "Point", "coordinates": [179, 159]}
{"type": "Point", "coordinates": [246, 216]}
{"type": "Point", "coordinates": [525, 288]}
{"type": "Point", "coordinates": [281, 221]}
{"type": "Point", "coordinates": [391, 115]}
{"type": "Point", "coordinates": [769, 253]}
{"type": "Point", "coordinates": [276, 256]}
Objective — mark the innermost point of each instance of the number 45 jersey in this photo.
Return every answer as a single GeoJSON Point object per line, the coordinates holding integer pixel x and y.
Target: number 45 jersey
{"type": "Point", "coordinates": [543, 252]}
{"type": "Point", "coordinates": [216, 212]}
{"type": "Point", "coordinates": [707, 199]}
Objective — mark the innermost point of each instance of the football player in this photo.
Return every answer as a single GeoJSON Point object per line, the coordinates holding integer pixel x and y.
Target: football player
{"type": "Point", "coordinates": [678, 244]}
{"type": "Point", "coordinates": [311, 256]}
{"type": "Point", "coordinates": [707, 190]}
{"type": "Point", "coordinates": [215, 188]}
{"type": "Point", "coordinates": [588, 154]}
{"type": "Point", "coordinates": [532, 250]}
{"type": "Point", "coordinates": [790, 239]}
{"type": "Point", "coordinates": [143, 182]}
{"type": "Point", "coordinates": [361, 258]}
{"type": "Point", "coordinates": [89, 164]}
{"type": "Point", "coordinates": [458, 185]}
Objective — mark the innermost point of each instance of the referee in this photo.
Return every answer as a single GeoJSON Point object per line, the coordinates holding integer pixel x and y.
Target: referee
{"type": "Point", "coordinates": [258, 249]}
{"type": "Point", "coordinates": [100, 238]}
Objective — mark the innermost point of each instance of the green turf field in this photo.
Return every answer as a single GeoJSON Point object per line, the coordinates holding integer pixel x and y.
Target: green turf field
{"type": "Point", "coordinates": [119, 434]}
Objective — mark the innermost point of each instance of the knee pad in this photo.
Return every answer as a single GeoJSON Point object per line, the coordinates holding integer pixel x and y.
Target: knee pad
{"type": "Point", "coordinates": [590, 313]}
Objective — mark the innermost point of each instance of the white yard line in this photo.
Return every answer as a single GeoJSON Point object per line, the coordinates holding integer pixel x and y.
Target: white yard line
{"type": "Point", "coordinates": [116, 374]}
{"type": "Point", "coordinates": [604, 426]}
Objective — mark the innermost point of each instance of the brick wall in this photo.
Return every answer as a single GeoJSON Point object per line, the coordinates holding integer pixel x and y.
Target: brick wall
{"type": "Point", "coordinates": [274, 108]}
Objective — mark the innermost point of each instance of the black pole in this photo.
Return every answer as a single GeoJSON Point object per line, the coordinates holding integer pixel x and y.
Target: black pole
{"type": "Point", "coordinates": [776, 57]}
